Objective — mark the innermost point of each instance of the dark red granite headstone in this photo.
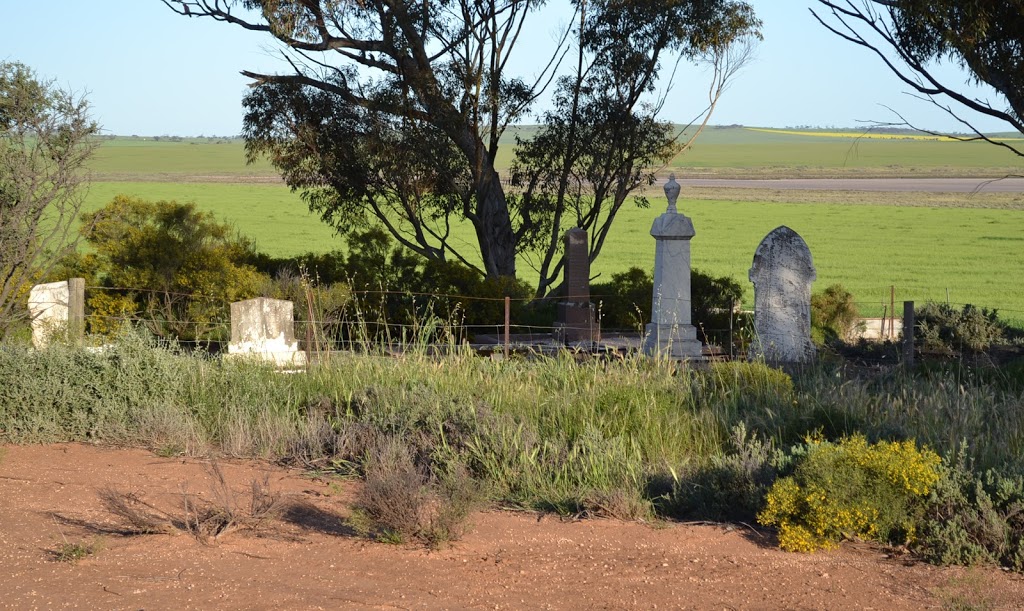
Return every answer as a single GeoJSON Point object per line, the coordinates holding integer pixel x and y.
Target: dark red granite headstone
{"type": "Point", "coordinates": [576, 319]}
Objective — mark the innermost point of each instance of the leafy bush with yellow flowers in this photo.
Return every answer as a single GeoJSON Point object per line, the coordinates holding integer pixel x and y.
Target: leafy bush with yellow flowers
{"type": "Point", "coordinates": [168, 264]}
{"type": "Point", "coordinates": [851, 489]}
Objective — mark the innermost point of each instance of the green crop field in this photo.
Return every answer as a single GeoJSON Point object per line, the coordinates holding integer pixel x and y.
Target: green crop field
{"type": "Point", "coordinates": [969, 245]}
{"type": "Point", "coordinates": [719, 150]}
{"type": "Point", "coordinates": [147, 159]}
{"type": "Point", "coordinates": [272, 215]}
{"type": "Point", "coordinates": [777, 153]}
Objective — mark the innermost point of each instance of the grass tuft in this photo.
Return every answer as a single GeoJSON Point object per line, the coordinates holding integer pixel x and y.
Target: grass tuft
{"type": "Point", "coordinates": [73, 551]}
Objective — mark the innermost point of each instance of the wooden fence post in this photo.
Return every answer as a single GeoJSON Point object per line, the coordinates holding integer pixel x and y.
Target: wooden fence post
{"type": "Point", "coordinates": [508, 316]}
{"type": "Point", "coordinates": [892, 311]}
{"type": "Point", "coordinates": [76, 310]}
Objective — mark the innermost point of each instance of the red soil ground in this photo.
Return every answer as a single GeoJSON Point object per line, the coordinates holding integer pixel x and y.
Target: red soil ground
{"type": "Point", "coordinates": [309, 558]}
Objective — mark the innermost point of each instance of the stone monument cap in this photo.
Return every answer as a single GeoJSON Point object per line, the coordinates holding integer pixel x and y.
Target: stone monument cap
{"type": "Point", "coordinates": [672, 193]}
{"type": "Point", "coordinates": [673, 226]}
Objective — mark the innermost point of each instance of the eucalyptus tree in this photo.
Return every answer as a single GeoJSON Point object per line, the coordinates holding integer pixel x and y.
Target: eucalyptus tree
{"type": "Point", "coordinates": [393, 111]}
{"type": "Point", "coordinates": [986, 37]}
{"type": "Point", "coordinates": [603, 139]}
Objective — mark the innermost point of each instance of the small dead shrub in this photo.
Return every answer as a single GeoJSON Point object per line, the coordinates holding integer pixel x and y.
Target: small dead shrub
{"type": "Point", "coordinates": [617, 504]}
{"type": "Point", "coordinates": [459, 493]}
{"type": "Point", "coordinates": [206, 520]}
{"type": "Point", "coordinates": [401, 501]}
{"type": "Point", "coordinates": [141, 517]}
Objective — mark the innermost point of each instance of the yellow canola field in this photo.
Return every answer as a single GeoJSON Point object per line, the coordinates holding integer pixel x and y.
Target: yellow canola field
{"type": "Point", "coordinates": [866, 134]}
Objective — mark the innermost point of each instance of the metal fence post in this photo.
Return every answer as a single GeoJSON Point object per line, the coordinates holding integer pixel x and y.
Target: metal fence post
{"type": "Point", "coordinates": [908, 332]}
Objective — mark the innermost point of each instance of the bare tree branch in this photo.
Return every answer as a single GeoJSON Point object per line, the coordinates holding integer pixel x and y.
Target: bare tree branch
{"type": "Point", "coordinates": [907, 66]}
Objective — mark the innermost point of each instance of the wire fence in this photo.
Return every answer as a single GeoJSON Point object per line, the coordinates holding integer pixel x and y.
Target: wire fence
{"type": "Point", "coordinates": [387, 318]}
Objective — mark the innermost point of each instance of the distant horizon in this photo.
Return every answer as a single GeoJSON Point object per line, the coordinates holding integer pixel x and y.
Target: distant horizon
{"type": "Point", "coordinates": [851, 129]}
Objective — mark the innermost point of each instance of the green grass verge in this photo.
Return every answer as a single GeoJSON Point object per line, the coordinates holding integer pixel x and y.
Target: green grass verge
{"type": "Point", "coordinates": [539, 433]}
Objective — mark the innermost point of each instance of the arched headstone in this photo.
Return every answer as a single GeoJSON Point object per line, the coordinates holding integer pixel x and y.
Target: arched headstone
{"type": "Point", "coordinates": [782, 273]}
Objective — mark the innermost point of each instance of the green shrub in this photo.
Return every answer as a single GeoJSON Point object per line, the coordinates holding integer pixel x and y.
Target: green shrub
{"type": "Point", "coordinates": [941, 327]}
{"type": "Point", "coordinates": [851, 489]}
{"type": "Point", "coordinates": [731, 486]}
{"type": "Point", "coordinates": [973, 518]}
{"type": "Point", "coordinates": [714, 301]}
{"type": "Point", "coordinates": [326, 268]}
{"type": "Point", "coordinates": [834, 315]}
{"type": "Point", "coordinates": [467, 298]}
{"type": "Point", "coordinates": [626, 300]}
{"type": "Point", "coordinates": [169, 264]}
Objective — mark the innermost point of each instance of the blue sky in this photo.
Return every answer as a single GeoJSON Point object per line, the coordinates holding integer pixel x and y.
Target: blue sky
{"type": "Point", "coordinates": [147, 71]}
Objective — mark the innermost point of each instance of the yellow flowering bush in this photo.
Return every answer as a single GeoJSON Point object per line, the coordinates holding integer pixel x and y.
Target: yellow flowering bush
{"type": "Point", "coordinates": [109, 311]}
{"type": "Point", "coordinates": [851, 489]}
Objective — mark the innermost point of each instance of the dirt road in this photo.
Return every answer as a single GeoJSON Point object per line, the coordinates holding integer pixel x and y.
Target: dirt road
{"type": "Point", "coordinates": [933, 185]}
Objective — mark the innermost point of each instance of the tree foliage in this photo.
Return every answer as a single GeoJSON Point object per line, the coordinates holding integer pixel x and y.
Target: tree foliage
{"type": "Point", "coordinates": [986, 37]}
{"type": "Point", "coordinates": [397, 72]}
{"type": "Point", "coordinates": [46, 137]}
{"type": "Point", "coordinates": [602, 140]}
{"type": "Point", "coordinates": [174, 265]}
{"type": "Point", "coordinates": [393, 111]}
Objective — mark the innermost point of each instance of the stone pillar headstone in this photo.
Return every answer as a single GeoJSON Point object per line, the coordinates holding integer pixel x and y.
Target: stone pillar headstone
{"type": "Point", "coordinates": [671, 332]}
{"type": "Point", "coordinates": [576, 321]}
{"type": "Point", "coordinates": [782, 274]}
{"type": "Point", "coordinates": [264, 328]}
{"type": "Point", "coordinates": [57, 307]}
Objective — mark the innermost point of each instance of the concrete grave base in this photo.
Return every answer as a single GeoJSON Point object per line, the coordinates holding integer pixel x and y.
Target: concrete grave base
{"type": "Point", "coordinates": [265, 354]}
{"type": "Point", "coordinates": [672, 341]}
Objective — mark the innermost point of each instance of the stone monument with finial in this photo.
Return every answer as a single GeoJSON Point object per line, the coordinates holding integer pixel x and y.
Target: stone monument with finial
{"type": "Point", "coordinates": [671, 332]}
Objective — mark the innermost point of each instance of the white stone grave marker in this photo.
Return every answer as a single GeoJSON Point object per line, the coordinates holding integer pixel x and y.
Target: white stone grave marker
{"type": "Point", "coordinates": [671, 331]}
{"type": "Point", "coordinates": [264, 328]}
{"type": "Point", "coordinates": [782, 273]}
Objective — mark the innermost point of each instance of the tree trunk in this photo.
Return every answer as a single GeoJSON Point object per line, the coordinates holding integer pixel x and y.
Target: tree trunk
{"type": "Point", "coordinates": [494, 226]}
